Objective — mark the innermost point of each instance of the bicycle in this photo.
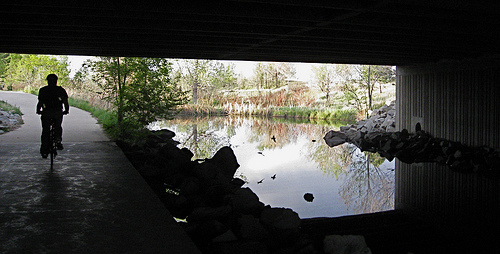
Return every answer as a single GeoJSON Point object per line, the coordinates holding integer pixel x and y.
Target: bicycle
{"type": "Point", "coordinates": [52, 142]}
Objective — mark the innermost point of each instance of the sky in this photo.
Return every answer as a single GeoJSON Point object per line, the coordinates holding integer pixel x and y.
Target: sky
{"type": "Point", "coordinates": [303, 70]}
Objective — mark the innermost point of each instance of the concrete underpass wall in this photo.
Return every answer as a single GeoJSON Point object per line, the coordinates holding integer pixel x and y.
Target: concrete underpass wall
{"type": "Point", "coordinates": [459, 102]}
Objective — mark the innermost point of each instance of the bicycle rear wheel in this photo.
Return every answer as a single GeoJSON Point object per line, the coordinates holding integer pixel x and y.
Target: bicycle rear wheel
{"type": "Point", "coordinates": [52, 160]}
{"type": "Point", "coordinates": [53, 145]}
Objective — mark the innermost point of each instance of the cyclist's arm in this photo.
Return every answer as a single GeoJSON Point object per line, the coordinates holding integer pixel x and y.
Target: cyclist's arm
{"type": "Point", "coordinates": [38, 107]}
{"type": "Point", "coordinates": [66, 105]}
{"type": "Point", "coordinates": [64, 97]}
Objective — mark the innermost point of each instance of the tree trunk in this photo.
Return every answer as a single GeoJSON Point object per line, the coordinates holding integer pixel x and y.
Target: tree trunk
{"type": "Point", "coordinates": [195, 91]}
{"type": "Point", "coordinates": [195, 82]}
{"type": "Point", "coordinates": [120, 100]}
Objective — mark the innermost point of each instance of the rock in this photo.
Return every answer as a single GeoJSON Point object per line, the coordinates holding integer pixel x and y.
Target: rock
{"type": "Point", "coordinates": [280, 218]}
{"type": "Point", "coordinates": [345, 244]}
{"type": "Point", "coordinates": [219, 193]}
{"type": "Point", "coordinates": [240, 247]}
{"type": "Point", "coordinates": [390, 128]}
{"type": "Point", "coordinates": [309, 197]}
{"type": "Point", "coordinates": [187, 153]}
{"type": "Point", "coordinates": [226, 162]}
{"type": "Point", "coordinates": [206, 172]}
{"type": "Point", "coordinates": [387, 122]}
{"type": "Point", "coordinates": [209, 230]}
{"type": "Point", "coordinates": [245, 201]}
{"type": "Point", "coordinates": [209, 213]}
{"type": "Point", "coordinates": [227, 236]}
{"type": "Point", "coordinates": [251, 228]}
{"type": "Point", "coordinates": [353, 135]}
{"type": "Point", "coordinates": [282, 223]}
{"type": "Point", "coordinates": [368, 126]}
{"type": "Point", "coordinates": [345, 128]}
{"type": "Point", "coordinates": [190, 185]}
{"type": "Point", "coordinates": [335, 138]}
{"type": "Point", "coordinates": [165, 134]}
{"type": "Point", "coordinates": [153, 140]}
{"type": "Point", "coordinates": [178, 205]}
{"type": "Point", "coordinates": [237, 182]}
{"type": "Point", "coordinates": [9, 121]}
{"type": "Point", "coordinates": [391, 112]}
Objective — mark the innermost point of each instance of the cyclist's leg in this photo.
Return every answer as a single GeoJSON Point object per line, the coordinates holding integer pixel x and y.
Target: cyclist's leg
{"type": "Point", "coordinates": [45, 147]}
{"type": "Point", "coordinates": [58, 131]}
{"type": "Point", "coordinates": [58, 128]}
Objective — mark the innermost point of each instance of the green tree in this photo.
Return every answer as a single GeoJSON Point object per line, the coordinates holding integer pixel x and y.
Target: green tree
{"type": "Point", "coordinates": [196, 75]}
{"type": "Point", "coordinates": [359, 83]}
{"type": "Point", "coordinates": [31, 70]}
{"type": "Point", "coordinates": [142, 89]}
{"type": "Point", "coordinates": [324, 76]}
{"type": "Point", "coordinates": [4, 64]}
{"type": "Point", "coordinates": [206, 78]}
{"type": "Point", "coordinates": [259, 77]}
{"type": "Point", "coordinates": [272, 75]}
{"type": "Point", "coordinates": [278, 73]}
{"type": "Point", "coordinates": [370, 76]}
{"type": "Point", "coordinates": [221, 77]}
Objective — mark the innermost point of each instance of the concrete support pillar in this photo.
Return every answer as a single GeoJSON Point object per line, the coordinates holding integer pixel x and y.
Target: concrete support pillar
{"type": "Point", "coordinates": [459, 101]}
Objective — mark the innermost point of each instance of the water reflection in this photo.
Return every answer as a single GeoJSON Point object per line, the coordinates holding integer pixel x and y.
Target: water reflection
{"type": "Point", "coordinates": [281, 161]}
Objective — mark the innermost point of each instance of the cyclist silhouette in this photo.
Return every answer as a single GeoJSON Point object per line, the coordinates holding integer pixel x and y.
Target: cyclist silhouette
{"type": "Point", "coordinates": [51, 99]}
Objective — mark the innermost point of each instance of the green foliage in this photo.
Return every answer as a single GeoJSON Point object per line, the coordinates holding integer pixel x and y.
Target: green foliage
{"type": "Point", "coordinates": [142, 90]}
{"type": "Point", "coordinates": [323, 114]}
{"type": "Point", "coordinates": [106, 118]}
{"type": "Point", "coordinates": [348, 116]}
{"type": "Point", "coordinates": [4, 64]}
{"type": "Point", "coordinates": [272, 75]}
{"type": "Point", "coordinates": [31, 89]}
{"type": "Point", "coordinates": [325, 77]}
{"type": "Point", "coordinates": [375, 158]}
{"type": "Point", "coordinates": [31, 70]}
{"type": "Point", "coordinates": [359, 88]}
{"type": "Point", "coordinates": [4, 106]}
{"type": "Point", "coordinates": [205, 78]}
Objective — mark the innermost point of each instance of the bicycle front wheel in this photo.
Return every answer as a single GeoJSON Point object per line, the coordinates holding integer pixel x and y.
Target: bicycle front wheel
{"type": "Point", "coordinates": [52, 160]}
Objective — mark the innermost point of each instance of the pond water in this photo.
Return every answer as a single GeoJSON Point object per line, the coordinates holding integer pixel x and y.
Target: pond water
{"type": "Point", "coordinates": [281, 160]}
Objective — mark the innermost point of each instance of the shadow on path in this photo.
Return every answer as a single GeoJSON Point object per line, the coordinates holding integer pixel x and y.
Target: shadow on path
{"type": "Point", "coordinates": [93, 200]}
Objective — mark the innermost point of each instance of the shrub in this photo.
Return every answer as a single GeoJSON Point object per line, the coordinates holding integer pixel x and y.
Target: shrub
{"type": "Point", "coordinates": [323, 115]}
{"type": "Point", "coordinates": [31, 89]}
{"type": "Point", "coordinates": [345, 116]}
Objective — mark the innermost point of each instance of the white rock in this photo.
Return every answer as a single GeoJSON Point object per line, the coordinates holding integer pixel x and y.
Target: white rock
{"type": "Point", "coordinates": [391, 112]}
{"type": "Point", "coordinates": [390, 129]}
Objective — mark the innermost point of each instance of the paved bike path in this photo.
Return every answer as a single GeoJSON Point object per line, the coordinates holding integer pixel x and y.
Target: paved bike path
{"type": "Point", "coordinates": [93, 201]}
{"type": "Point", "coordinates": [78, 126]}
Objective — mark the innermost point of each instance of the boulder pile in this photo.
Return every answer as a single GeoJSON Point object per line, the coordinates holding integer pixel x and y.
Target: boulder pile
{"type": "Point", "coordinates": [9, 121]}
{"type": "Point", "coordinates": [377, 134]}
{"type": "Point", "coordinates": [219, 214]}
{"type": "Point", "coordinates": [380, 120]}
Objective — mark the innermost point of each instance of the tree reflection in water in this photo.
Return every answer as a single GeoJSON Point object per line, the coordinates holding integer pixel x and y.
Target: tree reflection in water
{"type": "Point", "coordinates": [362, 181]}
{"type": "Point", "coordinates": [368, 187]}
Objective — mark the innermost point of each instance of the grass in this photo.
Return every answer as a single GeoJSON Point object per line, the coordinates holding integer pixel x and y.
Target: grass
{"type": "Point", "coordinates": [343, 116]}
{"type": "Point", "coordinates": [107, 118]}
{"type": "Point", "coordinates": [4, 106]}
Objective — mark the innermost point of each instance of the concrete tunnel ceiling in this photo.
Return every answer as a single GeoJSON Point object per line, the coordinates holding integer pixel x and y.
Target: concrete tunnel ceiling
{"type": "Point", "coordinates": [361, 32]}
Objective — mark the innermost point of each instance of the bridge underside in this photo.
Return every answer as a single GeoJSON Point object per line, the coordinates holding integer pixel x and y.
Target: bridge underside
{"type": "Point", "coordinates": [369, 31]}
{"type": "Point", "coordinates": [447, 55]}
